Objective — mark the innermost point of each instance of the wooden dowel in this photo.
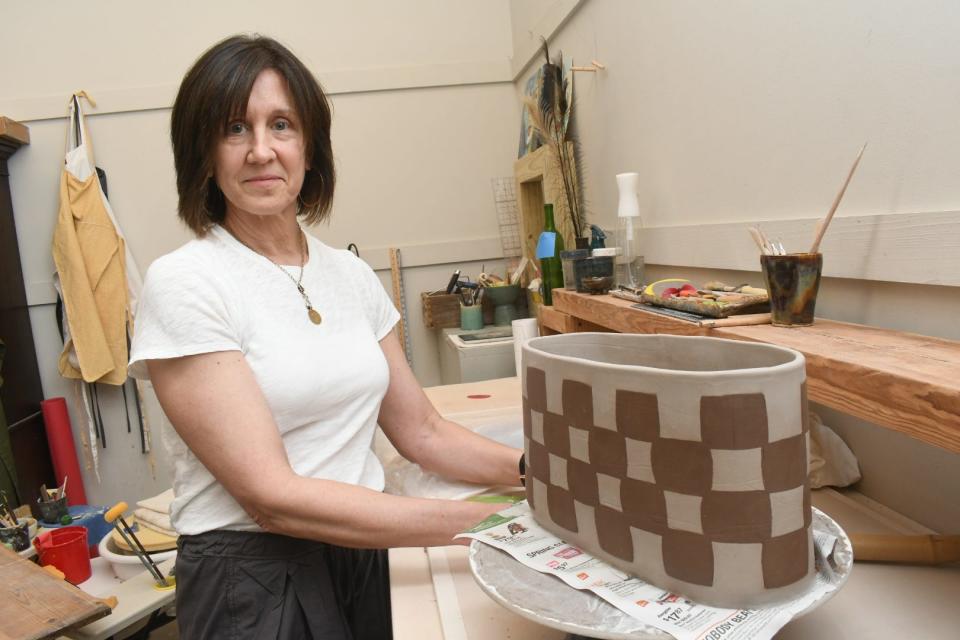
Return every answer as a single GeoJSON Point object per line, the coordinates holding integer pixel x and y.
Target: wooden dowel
{"type": "Point", "coordinates": [922, 549]}
{"type": "Point", "coordinates": [822, 226]}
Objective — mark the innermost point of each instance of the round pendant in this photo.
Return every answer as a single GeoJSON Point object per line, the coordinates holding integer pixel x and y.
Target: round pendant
{"type": "Point", "coordinates": [314, 316]}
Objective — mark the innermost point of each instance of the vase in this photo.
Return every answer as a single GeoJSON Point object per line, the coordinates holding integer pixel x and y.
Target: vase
{"type": "Point", "coordinates": [681, 460]}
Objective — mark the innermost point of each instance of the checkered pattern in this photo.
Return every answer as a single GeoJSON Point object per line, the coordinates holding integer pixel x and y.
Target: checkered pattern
{"type": "Point", "coordinates": [732, 506]}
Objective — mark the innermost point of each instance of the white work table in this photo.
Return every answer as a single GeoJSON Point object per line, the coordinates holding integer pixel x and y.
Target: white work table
{"type": "Point", "coordinates": [434, 596]}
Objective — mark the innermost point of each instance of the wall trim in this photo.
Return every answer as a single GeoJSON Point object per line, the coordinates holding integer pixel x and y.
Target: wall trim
{"type": "Point", "coordinates": [41, 292]}
{"type": "Point", "coordinates": [150, 97]}
{"type": "Point", "coordinates": [913, 248]}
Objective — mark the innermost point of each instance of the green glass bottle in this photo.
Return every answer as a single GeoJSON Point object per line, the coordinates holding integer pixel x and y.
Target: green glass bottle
{"type": "Point", "coordinates": [550, 266]}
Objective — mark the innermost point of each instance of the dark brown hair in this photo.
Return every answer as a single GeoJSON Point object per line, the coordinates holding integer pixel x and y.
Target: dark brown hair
{"type": "Point", "coordinates": [216, 90]}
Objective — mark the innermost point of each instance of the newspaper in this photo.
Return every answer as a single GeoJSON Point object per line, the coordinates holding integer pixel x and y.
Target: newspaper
{"type": "Point", "coordinates": [515, 531]}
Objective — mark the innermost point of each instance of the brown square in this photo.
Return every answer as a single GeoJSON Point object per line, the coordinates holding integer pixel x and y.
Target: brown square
{"type": "Point", "coordinates": [682, 466]}
{"type": "Point", "coordinates": [538, 462]}
{"type": "Point", "coordinates": [527, 422]}
{"type": "Point", "coordinates": [536, 389]}
{"type": "Point", "coordinates": [807, 511]}
{"type": "Point", "coordinates": [582, 480]}
{"type": "Point", "coordinates": [784, 463]}
{"type": "Point", "coordinates": [608, 452]}
{"type": "Point", "coordinates": [578, 404]}
{"type": "Point", "coordinates": [737, 421]}
{"type": "Point", "coordinates": [560, 507]}
{"type": "Point", "coordinates": [785, 559]}
{"type": "Point", "coordinates": [736, 516]}
{"type": "Point", "coordinates": [643, 505]}
{"type": "Point", "coordinates": [556, 435]}
{"type": "Point", "coordinates": [638, 415]}
{"type": "Point", "coordinates": [613, 533]}
{"type": "Point", "coordinates": [688, 557]}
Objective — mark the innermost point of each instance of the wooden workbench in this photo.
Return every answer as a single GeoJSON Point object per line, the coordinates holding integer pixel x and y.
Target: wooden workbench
{"type": "Point", "coordinates": [898, 380]}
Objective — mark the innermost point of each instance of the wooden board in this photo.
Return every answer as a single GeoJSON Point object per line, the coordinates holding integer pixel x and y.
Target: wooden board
{"type": "Point", "coordinates": [151, 540]}
{"type": "Point", "coordinates": [901, 381]}
{"type": "Point", "coordinates": [13, 130]}
{"type": "Point", "coordinates": [554, 321]}
{"type": "Point", "coordinates": [904, 381]}
{"type": "Point", "coordinates": [34, 604]}
{"type": "Point", "coordinates": [620, 315]}
{"type": "Point", "coordinates": [539, 182]}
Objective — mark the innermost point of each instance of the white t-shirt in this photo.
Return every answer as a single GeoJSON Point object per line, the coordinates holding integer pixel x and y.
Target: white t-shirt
{"type": "Point", "coordinates": [323, 383]}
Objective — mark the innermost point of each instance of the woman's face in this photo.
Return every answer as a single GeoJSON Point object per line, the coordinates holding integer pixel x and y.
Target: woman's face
{"type": "Point", "coordinates": [260, 160]}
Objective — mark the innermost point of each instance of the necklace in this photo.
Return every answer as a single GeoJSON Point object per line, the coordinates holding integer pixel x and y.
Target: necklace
{"type": "Point", "coordinates": [312, 313]}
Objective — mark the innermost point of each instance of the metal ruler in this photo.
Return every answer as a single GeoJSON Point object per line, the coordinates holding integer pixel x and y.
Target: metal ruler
{"type": "Point", "coordinates": [396, 278]}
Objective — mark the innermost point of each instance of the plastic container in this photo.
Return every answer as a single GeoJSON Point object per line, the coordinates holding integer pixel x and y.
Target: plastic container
{"type": "Point", "coordinates": [91, 518]}
{"type": "Point", "coordinates": [595, 274]}
{"type": "Point", "coordinates": [66, 549]}
{"type": "Point", "coordinates": [568, 259]}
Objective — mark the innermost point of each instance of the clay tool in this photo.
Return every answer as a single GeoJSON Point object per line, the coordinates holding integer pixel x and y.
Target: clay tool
{"type": "Point", "coordinates": [822, 226]}
{"type": "Point", "coordinates": [453, 281]}
{"type": "Point", "coordinates": [758, 239]}
{"type": "Point", "coordinates": [115, 516]}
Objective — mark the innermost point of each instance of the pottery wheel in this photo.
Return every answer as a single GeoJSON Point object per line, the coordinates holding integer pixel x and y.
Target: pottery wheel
{"type": "Point", "coordinates": [546, 600]}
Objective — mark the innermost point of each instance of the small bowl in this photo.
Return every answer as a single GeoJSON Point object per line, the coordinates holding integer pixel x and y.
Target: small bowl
{"type": "Point", "coordinates": [52, 511]}
{"type": "Point", "coordinates": [17, 537]}
{"type": "Point", "coordinates": [597, 284]}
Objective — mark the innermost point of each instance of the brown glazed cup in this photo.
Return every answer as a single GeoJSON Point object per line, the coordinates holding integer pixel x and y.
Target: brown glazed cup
{"type": "Point", "coordinates": [792, 282]}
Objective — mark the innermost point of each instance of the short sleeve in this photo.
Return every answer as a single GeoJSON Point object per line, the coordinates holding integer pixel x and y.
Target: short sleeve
{"type": "Point", "coordinates": [183, 311]}
{"type": "Point", "coordinates": [380, 310]}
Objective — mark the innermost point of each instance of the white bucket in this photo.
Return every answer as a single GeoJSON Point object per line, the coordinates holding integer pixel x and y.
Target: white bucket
{"type": "Point", "coordinates": [127, 566]}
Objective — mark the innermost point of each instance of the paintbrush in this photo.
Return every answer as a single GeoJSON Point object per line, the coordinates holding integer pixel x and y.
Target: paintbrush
{"type": "Point", "coordinates": [758, 239]}
{"type": "Point", "coordinates": [63, 488]}
{"type": "Point", "coordinates": [822, 226]}
{"type": "Point", "coordinates": [6, 507]}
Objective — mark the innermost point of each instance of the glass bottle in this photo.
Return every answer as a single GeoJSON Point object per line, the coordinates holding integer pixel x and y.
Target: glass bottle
{"type": "Point", "coordinates": [548, 250]}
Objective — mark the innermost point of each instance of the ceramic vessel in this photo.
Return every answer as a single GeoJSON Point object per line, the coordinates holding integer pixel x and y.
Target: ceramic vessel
{"type": "Point", "coordinates": [681, 460]}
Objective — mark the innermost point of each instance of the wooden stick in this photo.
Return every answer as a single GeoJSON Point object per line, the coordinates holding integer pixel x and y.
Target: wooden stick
{"type": "Point", "coordinates": [755, 234]}
{"type": "Point", "coordinates": [918, 549]}
{"type": "Point", "coordinates": [822, 226]}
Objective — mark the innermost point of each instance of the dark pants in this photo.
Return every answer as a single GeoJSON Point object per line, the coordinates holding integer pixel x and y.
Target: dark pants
{"type": "Point", "coordinates": [238, 585]}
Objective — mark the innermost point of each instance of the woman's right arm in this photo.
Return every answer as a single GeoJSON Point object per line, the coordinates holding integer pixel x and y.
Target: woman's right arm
{"type": "Point", "coordinates": [215, 404]}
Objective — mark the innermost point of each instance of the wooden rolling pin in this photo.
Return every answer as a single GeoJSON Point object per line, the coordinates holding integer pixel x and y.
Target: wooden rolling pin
{"type": "Point", "coordinates": [922, 549]}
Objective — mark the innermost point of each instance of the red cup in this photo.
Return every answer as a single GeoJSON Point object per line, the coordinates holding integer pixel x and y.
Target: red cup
{"type": "Point", "coordinates": [66, 549]}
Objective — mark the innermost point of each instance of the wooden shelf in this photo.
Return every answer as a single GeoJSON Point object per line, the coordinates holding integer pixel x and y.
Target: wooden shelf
{"type": "Point", "coordinates": [901, 381]}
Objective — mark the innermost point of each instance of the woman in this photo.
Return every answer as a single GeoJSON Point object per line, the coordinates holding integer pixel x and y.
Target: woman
{"type": "Point", "coordinates": [274, 357]}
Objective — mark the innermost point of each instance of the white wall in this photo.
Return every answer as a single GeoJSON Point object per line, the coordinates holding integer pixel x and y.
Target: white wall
{"type": "Point", "coordinates": [753, 111]}
{"type": "Point", "coordinates": [424, 117]}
